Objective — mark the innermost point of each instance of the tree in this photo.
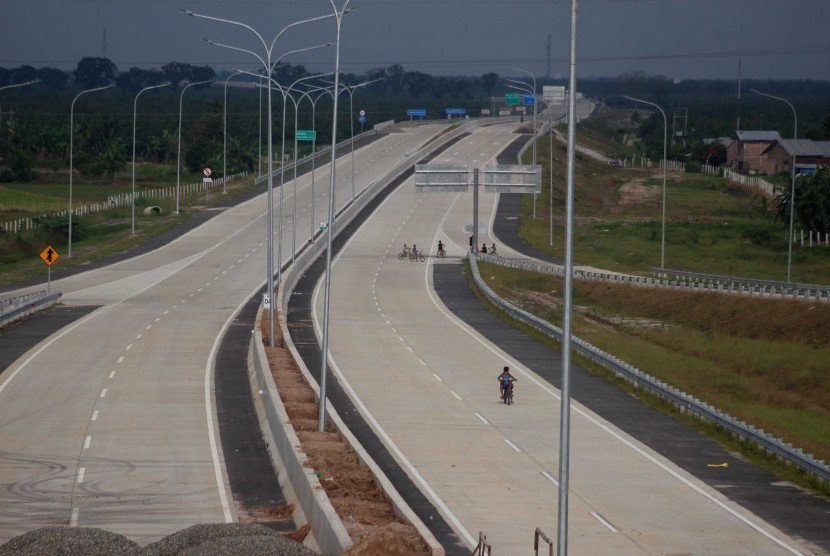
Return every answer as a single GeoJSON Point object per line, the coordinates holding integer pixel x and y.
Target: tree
{"type": "Point", "coordinates": [205, 139]}
{"type": "Point", "coordinates": [5, 78]}
{"type": "Point", "coordinates": [201, 73]}
{"type": "Point", "coordinates": [95, 72]}
{"type": "Point", "coordinates": [396, 77]}
{"type": "Point", "coordinates": [23, 74]}
{"type": "Point", "coordinates": [418, 83]}
{"type": "Point", "coordinates": [812, 201]}
{"type": "Point", "coordinates": [176, 72]}
{"type": "Point", "coordinates": [16, 161]}
{"type": "Point", "coordinates": [53, 78]}
{"type": "Point", "coordinates": [488, 82]}
{"type": "Point", "coordinates": [100, 147]}
{"type": "Point", "coordinates": [137, 78]}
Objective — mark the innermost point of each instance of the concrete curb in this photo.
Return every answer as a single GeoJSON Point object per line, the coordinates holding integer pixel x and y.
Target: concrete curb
{"type": "Point", "coordinates": [289, 459]}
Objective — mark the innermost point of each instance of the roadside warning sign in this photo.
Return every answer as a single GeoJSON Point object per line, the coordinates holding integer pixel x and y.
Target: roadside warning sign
{"type": "Point", "coordinates": [49, 255]}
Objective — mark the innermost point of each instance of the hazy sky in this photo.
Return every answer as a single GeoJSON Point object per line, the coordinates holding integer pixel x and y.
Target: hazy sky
{"type": "Point", "coordinates": [675, 38]}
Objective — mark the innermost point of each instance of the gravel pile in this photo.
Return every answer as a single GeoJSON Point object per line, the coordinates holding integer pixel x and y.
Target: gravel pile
{"type": "Point", "coordinates": [199, 540]}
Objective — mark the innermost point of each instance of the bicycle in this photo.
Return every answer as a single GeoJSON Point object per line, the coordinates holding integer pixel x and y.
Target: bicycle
{"type": "Point", "coordinates": [441, 253]}
{"type": "Point", "coordinates": [417, 256]}
{"type": "Point", "coordinates": [508, 395]}
{"type": "Point", "coordinates": [404, 254]}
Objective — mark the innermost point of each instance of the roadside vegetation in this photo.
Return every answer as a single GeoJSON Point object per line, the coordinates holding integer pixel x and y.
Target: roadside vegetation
{"type": "Point", "coordinates": [764, 361]}
{"type": "Point", "coordinates": [712, 226]}
{"type": "Point", "coordinates": [94, 235]}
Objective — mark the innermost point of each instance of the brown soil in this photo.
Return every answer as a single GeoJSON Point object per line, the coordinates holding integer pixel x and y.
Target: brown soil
{"type": "Point", "coordinates": [367, 514]}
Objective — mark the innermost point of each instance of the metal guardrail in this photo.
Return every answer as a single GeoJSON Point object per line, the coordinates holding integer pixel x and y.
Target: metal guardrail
{"type": "Point", "coordinates": [539, 534]}
{"type": "Point", "coordinates": [682, 400]}
{"type": "Point", "coordinates": [779, 290]}
{"type": "Point", "coordinates": [483, 547]}
{"type": "Point", "coordinates": [732, 283]}
{"type": "Point", "coordinates": [17, 308]}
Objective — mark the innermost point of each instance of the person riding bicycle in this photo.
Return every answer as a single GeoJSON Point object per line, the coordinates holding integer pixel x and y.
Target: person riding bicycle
{"type": "Point", "coordinates": [414, 250]}
{"type": "Point", "coordinates": [506, 381]}
{"type": "Point", "coordinates": [440, 248]}
{"type": "Point", "coordinates": [493, 249]}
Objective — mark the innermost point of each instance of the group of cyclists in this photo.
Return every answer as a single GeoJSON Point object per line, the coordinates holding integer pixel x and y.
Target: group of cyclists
{"type": "Point", "coordinates": [413, 253]}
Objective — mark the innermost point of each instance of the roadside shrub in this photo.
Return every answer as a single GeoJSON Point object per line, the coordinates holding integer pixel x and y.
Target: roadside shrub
{"type": "Point", "coordinates": [693, 167]}
{"type": "Point", "coordinates": [756, 235]}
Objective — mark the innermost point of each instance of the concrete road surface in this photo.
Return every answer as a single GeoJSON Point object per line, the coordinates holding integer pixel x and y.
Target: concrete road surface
{"type": "Point", "coordinates": [110, 421]}
{"type": "Point", "coordinates": [427, 383]}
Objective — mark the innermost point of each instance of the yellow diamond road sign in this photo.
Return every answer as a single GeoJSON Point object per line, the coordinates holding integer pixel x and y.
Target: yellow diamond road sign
{"type": "Point", "coordinates": [49, 255]}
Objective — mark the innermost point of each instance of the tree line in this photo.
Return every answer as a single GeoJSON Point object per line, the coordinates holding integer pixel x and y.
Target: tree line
{"type": "Point", "coordinates": [34, 126]}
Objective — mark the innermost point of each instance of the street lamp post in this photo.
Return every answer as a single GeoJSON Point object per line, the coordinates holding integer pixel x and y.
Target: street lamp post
{"type": "Point", "coordinates": [71, 149]}
{"type": "Point", "coordinates": [135, 117]}
{"type": "Point", "coordinates": [529, 88]}
{"type": "Point", "coordinates": [296, 102]}
{"type": "Point", "coordinates": [225, 135]}
{"type": "Point", "coordinates": [665, 140]}
{"type": "Point", "coordinates": [323, 91]}
{"type": "Point", "coordinates": [533, 77]}
{"type": "Point", "coordinates": [327, 298]}
{"type": "Point", "coordinates": [351, 89]}
{"type": "Point", "coordinates": [268, 66]}
{"type": "Point", "coordinates": [179, 155]}
{"type": "Point", "coordinates": [565, 400]}
{"type": "Point", "coordinates": [792, 183]}
{"type": "Point", "coordinates": [14, 87]}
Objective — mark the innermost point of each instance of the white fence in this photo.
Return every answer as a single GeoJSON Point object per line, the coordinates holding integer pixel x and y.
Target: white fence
{"type": "Point", "coordinates": [124, 199]}
{"type": "Point", "coordinates": [750, 181]}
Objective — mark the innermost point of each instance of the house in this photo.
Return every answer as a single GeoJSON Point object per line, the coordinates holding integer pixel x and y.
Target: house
{"type": "Point", "coordinates": [746, 151]}
{"type": "Point", "coordinates": [809, 156]}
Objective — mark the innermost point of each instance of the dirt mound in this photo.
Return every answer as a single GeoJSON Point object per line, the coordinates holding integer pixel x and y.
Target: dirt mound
{"type": "Point", "coordinates": [366, 513]}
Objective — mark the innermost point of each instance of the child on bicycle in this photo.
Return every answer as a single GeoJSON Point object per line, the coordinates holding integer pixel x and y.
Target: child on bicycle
{"type": "Point", "coordinates": [506, 381]}
{"type": "Point", "coordinates": [440, 248]}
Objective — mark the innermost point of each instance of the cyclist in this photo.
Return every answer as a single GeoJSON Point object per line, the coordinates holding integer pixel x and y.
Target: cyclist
{"type": "Point", "coordinates": [493, 249]}
{"type": "Point", "coordinates": [414, 250]}
{"type": "Point", "coordinates": [506, 381]}
{"type": "Point", "coordinates": [484, 248]}
{"type": "Point", "coordinates": [405, 249]}
{"type": "Point", "coordinates": [440, 249]}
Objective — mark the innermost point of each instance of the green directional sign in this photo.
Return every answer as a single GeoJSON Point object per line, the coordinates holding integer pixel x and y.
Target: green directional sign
{"type": "Point", "coordinates": [306, 135]}
{"type": "Point", "coordinates": [512, 99]}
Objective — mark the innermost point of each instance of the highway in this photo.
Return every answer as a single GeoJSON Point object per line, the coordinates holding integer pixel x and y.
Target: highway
{"type": "Point", "coordinates": [426, 382]}
{"type": "Point", "coordinates": [110, 422]}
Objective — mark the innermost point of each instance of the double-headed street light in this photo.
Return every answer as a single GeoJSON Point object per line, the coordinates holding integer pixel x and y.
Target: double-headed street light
{"type": "Point", "coordinates": [179, 155]}
{"type": "Point", "coordinates": [531, 90]}
{"type": "Point", "coordinates": [135, 116]}
{"type": "Point", "coordinates": [351, 89]}
{"type": "Point", "coordinates": [286, 95]}
{"type": "Point", "coordinates": [323, 91]}
{"type": "Point", "coordinates": [71, 149]}
{"type": "Point", "coordinates": [225, 134]}
{"type": "Point", "coordinates": [665, 142]}
{"type": "Point", "coordinates": [533, 77]}
{"type": "Point", "coordinates": [792, 185]}
{"type": "Point", "coordinates": [268, 66]}
{"type": "Point", "coordinates": [338, 14]}
{"type": "Point", "coordinates": [285, 91]}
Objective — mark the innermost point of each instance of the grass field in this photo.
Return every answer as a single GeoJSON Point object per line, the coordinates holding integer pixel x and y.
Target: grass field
{"type": "Point", "coordinates": [763, 361]}
{"type": "Point", "coordinates": [711, 226]}
{"type": "Point", "coordinates": [94, 235]}
{"type": "Point", "coordinates": [766, 362]}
